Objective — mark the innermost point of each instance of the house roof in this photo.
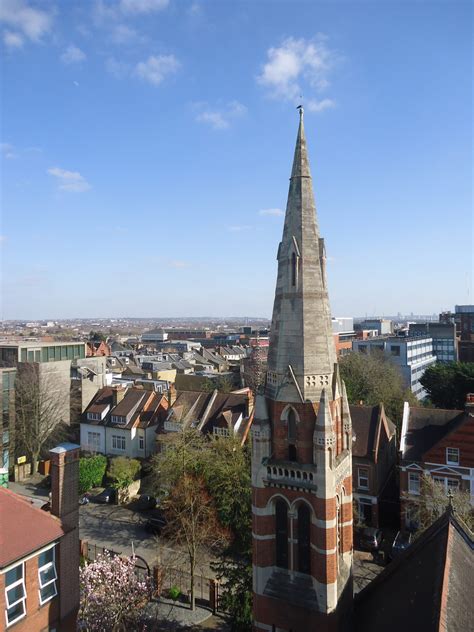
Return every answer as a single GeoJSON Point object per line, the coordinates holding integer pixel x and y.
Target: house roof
{"type": "Point", "coordinates": [17, 537]}
{"type": "Point", "coordinates": [365, 423]}
{"type": "Point", "coordinates": [428, 587]}
{"type": "Point", "coordinates": [104, 398]}
{"type": "Point", "coordinates": [146, 407]}
{"type": "Point", "coordinates": [425, 427]}
{"type": "Point", "coordinates": [130, 400]}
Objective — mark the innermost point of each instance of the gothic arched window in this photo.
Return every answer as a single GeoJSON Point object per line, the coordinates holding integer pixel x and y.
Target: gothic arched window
{"type": "Point", "coordinates": [281, 534]}
{"type": "Point", "coordinates": [304, 539]}
{"type": "Point", "coordinates": [294, 264]}
{"type": "Point", "coordinates": [291, 435]}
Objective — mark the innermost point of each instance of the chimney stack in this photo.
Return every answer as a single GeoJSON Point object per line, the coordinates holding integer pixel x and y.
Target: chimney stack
{"type": "Point", "coordinates": [65, 506]}
{"type": "Point", "coordinates": [118, 394]}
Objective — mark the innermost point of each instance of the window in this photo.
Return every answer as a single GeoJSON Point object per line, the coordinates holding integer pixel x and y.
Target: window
{"type": "Point", "coordinates": [294, 264]}
{"type": "Point", "coordinates": [363, 476]}
{"type": "Point", "coordinates": [47, 575]}
{"type": "Point", "coordinates": [221, 432]}
{"type": "Point", "coordinates": [116, 419]}
{"type": "Point", "coordinates": [93, 416]}
{"type": "Point", "coordinates": [395, 350]}
{"type": "Point", "coordinates": [413, 483]}
{"type": "Point", "coordinates": [304, 543]}
{"type": "Point", "coordinates": [281, 534]}
{"type": "Point", "coordinates": [15, 594]}
{"type": "Point", "coordinates": [452, 456]}
{"type": "Point", "coordinates": [447, 483]}
{"type": "Point", "coordinates": [93, 441]}
{"type": "Point", "coordinates": [141, 443]}
{"type": "Point", "coordinates": [291, 435]}
{"type": "Point", "coordinates": [118, 443]}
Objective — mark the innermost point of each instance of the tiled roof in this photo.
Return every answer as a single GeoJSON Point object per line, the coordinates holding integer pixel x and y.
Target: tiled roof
{"type": "Point", "coordinates": [23, 528]}
{"type": "Point", "coordinates": [365, 420]}
{"type": "Point", "coordinates": [428, 587]}
{"type": "Point", "coordinates": [427, 426]}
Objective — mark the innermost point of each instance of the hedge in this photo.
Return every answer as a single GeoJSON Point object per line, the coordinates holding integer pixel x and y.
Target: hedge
{"type": "Point", "coordinates": [91, 472]}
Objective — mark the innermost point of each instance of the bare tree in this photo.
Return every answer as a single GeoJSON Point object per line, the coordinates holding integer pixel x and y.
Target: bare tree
{"type": "Point", "coordinates": [433, 501]}
{"type": "Point", "coordinates": [41, 408]}
{"type": "Point", "coordinates": [192, 520]}
{"type": "Point", "coordinates": [254, 368]}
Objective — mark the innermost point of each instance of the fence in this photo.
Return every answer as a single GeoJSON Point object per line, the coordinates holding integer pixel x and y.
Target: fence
{"type": "Point", "coordinates": [205, 588]}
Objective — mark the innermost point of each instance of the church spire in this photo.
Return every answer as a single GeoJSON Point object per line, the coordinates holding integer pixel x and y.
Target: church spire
{"type": "Point", "coordinates": [302, 353]}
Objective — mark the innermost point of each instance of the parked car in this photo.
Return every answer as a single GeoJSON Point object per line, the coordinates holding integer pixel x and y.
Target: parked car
{"type": "Point", "coordinates": [155, 525]}
{"type": "Point", "coordinates": [84, 499]}
{"type": "Point", "coordinates": [371, 539]}
{"type": "Point", "coordinates": [402, 541]}
{"type": "Point", "coordinates": [107, 496]}
{"type": "Point", "coordinates": [146, 502]}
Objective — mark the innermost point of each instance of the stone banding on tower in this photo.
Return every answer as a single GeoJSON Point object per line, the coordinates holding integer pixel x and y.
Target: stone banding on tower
{"type": "Point", "coordinates": [301, 440]}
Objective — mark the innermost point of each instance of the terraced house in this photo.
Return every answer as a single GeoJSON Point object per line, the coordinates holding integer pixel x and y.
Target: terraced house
{"type": "Point", "coordinates": [439, 443]}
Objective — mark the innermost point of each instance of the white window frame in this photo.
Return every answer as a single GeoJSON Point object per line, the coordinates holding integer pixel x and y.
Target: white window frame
{"type": "Point", "coordinates": [44, 585]}
{"type": "Point", "coordinates": [95, 444]}
{"type": "Point", "coordinates": [116, 439]}
{"type": "Point", "coordinates": [221, 432]}
{"type": "Point", "coordinates": [450, 461]}
{"type": "Point", "coordinates": [446, 480]}
{"type": "Point", "coordinates": [8, 605]}
{"type": "Point", "coordinates": [363, 476]}
{"type": "Point", "coordinates": [416, 478]}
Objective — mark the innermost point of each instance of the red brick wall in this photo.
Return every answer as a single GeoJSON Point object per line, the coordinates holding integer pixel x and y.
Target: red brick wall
{"type": "Point", "coordinates": [37, 617]}
{"type": "Point", "coordinates": [463, 439]}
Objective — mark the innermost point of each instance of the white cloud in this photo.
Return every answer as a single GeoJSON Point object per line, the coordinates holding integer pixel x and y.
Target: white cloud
{"type": "Point", "coordinates": [274, 212]}
{"type": "Point", "coordinates": [72, 55]}
{"type": "Point", "coordinates": [69, 180]}
{"type": "Point", "coordinates": [222, 117]}
{"type": "Point", "coordinates": [142, 6]}
{"type": "Point", "coordinates": [314, 105]}
{"type": "Point", "coordinates": [31, 22]}
{"type": "Point", "coordinates": [13, 40]}
{"type": "Point", "coordinates": [299, 66]}
{"type": "Point", "coordinates": [122, 34]}
{"type": "Point", "coordinates": [156, 67]}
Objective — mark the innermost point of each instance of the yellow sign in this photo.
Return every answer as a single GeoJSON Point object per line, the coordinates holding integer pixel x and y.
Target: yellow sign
{"type": "Point", "coordinates": [21, 459]}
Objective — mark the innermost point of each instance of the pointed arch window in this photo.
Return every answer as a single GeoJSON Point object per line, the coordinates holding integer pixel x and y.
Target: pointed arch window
{"type": "Point", "coordinates": [291, 435]}
{"type": "Point", "coordinates": [304, 539]}
{"type": "Point", "coordinates": [281, 534]}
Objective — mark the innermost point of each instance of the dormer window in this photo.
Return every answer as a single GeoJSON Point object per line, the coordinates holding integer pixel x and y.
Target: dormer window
{"type": "Point", "coordinates": [117, 419]}
{"type": "Point", "coordinates": [452, 456]}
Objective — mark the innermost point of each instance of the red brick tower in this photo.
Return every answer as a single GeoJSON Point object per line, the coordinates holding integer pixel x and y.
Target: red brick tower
{"type": "Point", "coordinates": [301, 440]}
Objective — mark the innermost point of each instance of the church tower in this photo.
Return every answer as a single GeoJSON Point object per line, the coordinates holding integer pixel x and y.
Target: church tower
{"type": "Point", "coordinates": [301, 440]}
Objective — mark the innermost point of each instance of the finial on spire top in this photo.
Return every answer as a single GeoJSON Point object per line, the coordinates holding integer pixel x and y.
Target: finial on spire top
{"type": "Point", "coordinates": [301, 109]}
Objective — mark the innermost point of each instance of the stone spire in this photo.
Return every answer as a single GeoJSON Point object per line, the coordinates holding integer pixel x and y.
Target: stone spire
{"type": "Point", "coordinates": [302, 354]}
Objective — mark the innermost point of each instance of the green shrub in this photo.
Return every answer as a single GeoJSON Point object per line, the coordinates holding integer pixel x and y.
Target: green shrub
{"type": "Point", "coordinates": [91, 472]}
{"type": "Point", "coordinates": [174, 593]}
{"type": "Point", "coordinates": [123, 471]}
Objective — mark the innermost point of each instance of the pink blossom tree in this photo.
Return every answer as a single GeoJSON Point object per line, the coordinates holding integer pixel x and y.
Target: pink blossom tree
{"type": "Point", "coordinates": [112, 596]}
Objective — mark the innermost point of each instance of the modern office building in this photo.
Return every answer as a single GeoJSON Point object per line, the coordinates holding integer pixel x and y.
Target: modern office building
{"type": "Point", "coordinates": [445, 346]}
{"type": "Point", "coordinates": [412, 354]}
{"type": "Point", "coordinates": [7, 422]}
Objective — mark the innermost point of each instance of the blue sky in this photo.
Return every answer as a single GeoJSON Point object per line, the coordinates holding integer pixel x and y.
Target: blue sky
{"type": "Point", "coordinates": [147, 146]}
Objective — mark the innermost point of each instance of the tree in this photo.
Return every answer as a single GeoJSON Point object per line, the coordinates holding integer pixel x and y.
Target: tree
{"type": "Point", "coordinates": [255, 368]}
{"type": "Point", "coordinates": [42, 404]}
{"type": "Point", "coordinates": [448, 384]}
{"type": "Point", "coordinates": [112, 596]}
{"type": "Point", "coordinates": [97, 336]}
{"type": "Point", "coordinates": [373, 379]}
{"type": "Point", "coordinates": [433, 501]}
{"type": "Point", "coordinates": [218, 473]}
{"type": "Point", "coordinates": [192, 521]}
{"type": "Point", "coordinates": [123, 471]}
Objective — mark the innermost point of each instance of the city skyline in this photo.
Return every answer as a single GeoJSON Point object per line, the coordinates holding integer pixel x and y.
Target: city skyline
{"type": "Point", "coordinates": [140, 176]}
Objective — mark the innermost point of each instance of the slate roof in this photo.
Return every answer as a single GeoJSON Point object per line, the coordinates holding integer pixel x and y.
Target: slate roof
{"type": "Point", "coordinates": [23, 528]}
{"type": "Point", "coordinates": [428, 588]}
{"type": "Point", "coordinates": [427, 426]}
{"type": "Point", "coordinates": [365, 420]}
{"type": "Point", "coordinates": [147, 404]}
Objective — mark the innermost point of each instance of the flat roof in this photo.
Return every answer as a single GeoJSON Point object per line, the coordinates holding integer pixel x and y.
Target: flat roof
{"type": "Point", "coordinates": [40, 344]}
